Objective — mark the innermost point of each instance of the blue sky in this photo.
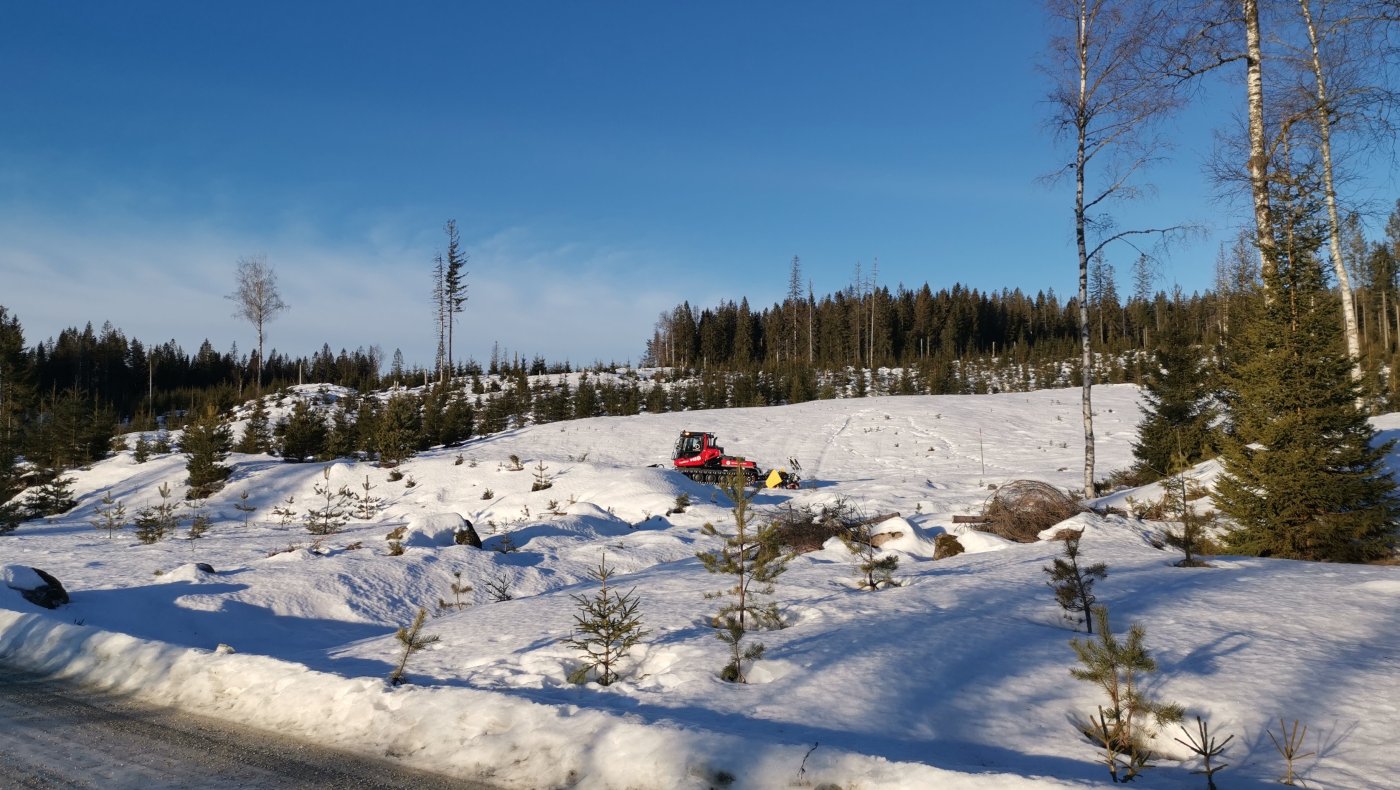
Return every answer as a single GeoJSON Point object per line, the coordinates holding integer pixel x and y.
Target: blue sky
{"type": "Point", "coordinates": [603, 160]}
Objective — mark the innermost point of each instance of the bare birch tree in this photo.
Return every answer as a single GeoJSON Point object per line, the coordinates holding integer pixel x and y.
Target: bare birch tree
{"type": "Point", "coordinates": [1108, 95]}
{"type": "Point", "coordinates": [257, 298]}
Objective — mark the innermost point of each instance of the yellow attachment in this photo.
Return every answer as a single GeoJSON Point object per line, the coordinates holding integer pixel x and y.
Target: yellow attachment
{"type": "Point", "coordinates": [775, 479]}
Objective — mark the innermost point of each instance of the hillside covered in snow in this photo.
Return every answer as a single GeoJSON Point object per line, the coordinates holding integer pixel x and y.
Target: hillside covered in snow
{"type": "Point", "coordinates": [957, 676]}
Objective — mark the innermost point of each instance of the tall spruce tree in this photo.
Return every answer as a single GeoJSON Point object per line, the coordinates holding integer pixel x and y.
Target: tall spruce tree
{"type": "Point", "coordinates": [1303, 476]}
{"type": "Point", "coordinates": [1178, 408]}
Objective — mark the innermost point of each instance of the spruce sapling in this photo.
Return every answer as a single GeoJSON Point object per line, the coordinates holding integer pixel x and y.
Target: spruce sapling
{"type": "Point", "coordinates": [606, 627]}
{"type": "Point", "coordinates": [498, 587]}
{"type": "Point", "coordinates": [1074, 584]}
{"type": "Point", "coordinates": [542, 478]}
{"type": "Point", "coordinates": [412, 640]}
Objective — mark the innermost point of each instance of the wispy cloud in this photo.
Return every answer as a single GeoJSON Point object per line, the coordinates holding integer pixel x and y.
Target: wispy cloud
{"type": "Point", "coordinates": [158, 280]}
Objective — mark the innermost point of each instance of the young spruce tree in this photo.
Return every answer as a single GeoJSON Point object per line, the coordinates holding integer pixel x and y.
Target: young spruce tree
{"type": "Point", "coordinates": [1303, 478]}
{"type": "Point", "coordinates": [1177, 410]}
{"type": "Point", "coordinates": [606, 627]}
{"type": "Point", "coordinates": [206, 444]}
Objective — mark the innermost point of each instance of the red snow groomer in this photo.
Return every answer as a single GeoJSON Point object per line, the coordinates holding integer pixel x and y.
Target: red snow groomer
{"type": "Point", "coordinates": [698, 457]}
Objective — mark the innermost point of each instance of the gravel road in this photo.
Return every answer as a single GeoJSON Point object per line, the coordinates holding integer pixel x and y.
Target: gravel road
{"type": "Point", "coordinates": [54, 735]}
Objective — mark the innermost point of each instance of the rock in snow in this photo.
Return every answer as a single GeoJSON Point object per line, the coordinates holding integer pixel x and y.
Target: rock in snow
{"type": "Point", "coordinates": [37, 587]}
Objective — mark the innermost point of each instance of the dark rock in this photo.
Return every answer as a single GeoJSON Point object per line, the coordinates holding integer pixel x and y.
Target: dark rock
{"type": "Point", "coordinates": [466, 535]}
{"type": "Point", "coordinates": [204, 567]}
{"type": "Point", "coordinates": [49, 595]}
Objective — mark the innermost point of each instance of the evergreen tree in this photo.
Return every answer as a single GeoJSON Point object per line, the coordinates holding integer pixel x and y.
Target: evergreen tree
{"type": "Point", "coordinates": [1178, 409]}
{"type": "Point", "coordinates": [303, 433]}
{"type": "Point", "coordinates": [206, 444]}
{"type": "Point", "coordinates": [1074, 584]}
{"type": "Point", "coordinates": [400, 429]}
{"type": "Point", "coordinates": [332, 508]}
{"type": "Point", "coordinates": [750, 555]}
{"type": "Point", "coordinates": [1303, 478]}
{"type": "Point", "coordinates": [52, 498]}
{"type": "Point", "coordinates": [109, 515]}
{"type": "Point", "coordinates": [1122, 726]}
{"type": "Point", "coordinates": [141, 451]}
{"type": "Point", "coordinates": [257, 434]}
{"type": "Point", "coordinates": [606, 627]}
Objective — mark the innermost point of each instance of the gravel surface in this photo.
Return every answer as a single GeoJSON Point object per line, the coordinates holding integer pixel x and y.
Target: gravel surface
{"type": "Point", "coordinates": [54, 735]}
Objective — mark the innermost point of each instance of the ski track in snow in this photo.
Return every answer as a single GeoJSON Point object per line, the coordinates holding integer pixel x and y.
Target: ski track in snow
{"type": "Point", "coordinates": [958, 678]}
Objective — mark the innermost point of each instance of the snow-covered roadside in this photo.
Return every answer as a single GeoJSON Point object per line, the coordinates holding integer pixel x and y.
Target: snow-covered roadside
{"type": "Point", "coordinates": [459, 731]}
{"type": "Point", "coordinates": [957, 678]}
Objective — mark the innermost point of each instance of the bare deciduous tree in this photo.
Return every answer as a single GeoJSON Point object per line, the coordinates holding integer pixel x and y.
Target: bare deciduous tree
{"type": "Point", "coordinates": [1109, 91]}
{"type": "Point", "coordinates": [257, 299]}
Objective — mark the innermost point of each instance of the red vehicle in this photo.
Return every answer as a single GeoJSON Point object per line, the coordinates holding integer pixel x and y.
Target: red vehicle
{"type": "Point", "coordinates": [698, 457]}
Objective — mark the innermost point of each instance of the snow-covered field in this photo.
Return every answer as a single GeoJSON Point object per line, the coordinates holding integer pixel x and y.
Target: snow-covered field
{"type": "Point", "coordinates": [957, 678]}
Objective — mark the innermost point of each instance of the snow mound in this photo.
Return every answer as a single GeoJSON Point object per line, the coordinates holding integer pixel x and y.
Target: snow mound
{"type": "Point", "coordinates": [434, 529]}
{"type": "Point", "coordinates": [189, 572]}
{"type": "Point", "coordinates": [22, 577]}
{"type": "Point", "coordinates": [908, 539]}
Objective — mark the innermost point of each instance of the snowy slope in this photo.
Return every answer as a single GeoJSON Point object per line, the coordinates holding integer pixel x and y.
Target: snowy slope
{"type": "Point", "coordinates": [957, 678]}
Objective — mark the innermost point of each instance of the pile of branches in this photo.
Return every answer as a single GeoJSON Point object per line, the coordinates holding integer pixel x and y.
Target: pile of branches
{"type": "Point", "coordinates": [803, 529]}
{"type": "Point", "coordinates": [1021, 509]}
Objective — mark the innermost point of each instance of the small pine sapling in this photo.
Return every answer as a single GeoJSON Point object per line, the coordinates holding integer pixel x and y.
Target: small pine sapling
{"type": "Point", "coordinates": [873, 571]}
{"type": "Point", "coordinates": [412, 640]}
{"type": "Point", "coordinates": [1074, 584]}
{"type": "Point", "coordinates": [244, 507]}
{"type": "Point", "coordinates": [110, 515]}
{"type": "Point", "coordinates": [606, 627]}
{"type": "Point", "coordinates": [199, 524]}
{"type": "Point", "coordinates": [751, 556]}
{"type": "Point", "coordinates": [1289, 744]}
{"type": "Point", "coordinates": [156, 521]}
{"type": "Point", "coordinates": [459, 588]}
{"type": "Point", "coordinates": [330, 515]}
{"type": "Point", "coordinates": [506, 544]}
{"type": "Point", "coordinates": [1205, 746]}
{"type": "Point", "coordinates": [732, 634]}
{"type": "Point", "coordinates": [515, 465]}
{"type": "Point", "coordinates": [487, 494]}
{"type": "Point", "coordinates": [542, 478]}
{"type": "Point", "coordinates": [366, 504]}
{"type": "Point", "coordinates": [1121, 728]}
{"type": "Point", "coordinates": [286, 512]}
